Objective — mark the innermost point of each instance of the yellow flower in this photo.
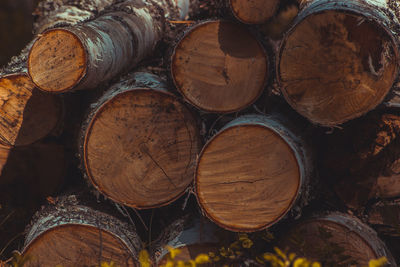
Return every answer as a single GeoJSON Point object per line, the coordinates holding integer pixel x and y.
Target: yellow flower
{"type": "Point", "coordinates": [173, 251]}
{"type": "Point", "coordinates": [246, 242]}
{"type": "Point", "coordinates": [202, 258]}
{"type": "Point", "coordinates": [144, 259]}
{"type": "Point", "coordinates": [316, 264]}
{"type": "Point", "coordinates": [378, 262]}
{"type": "Point", "coordinates": [111, 264]}
{"type": "Point", "coordinates": [301, 262]}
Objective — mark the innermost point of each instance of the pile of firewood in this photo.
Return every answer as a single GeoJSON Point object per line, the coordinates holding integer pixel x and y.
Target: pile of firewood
{"type": "Point", "coordinates": [277, 115]}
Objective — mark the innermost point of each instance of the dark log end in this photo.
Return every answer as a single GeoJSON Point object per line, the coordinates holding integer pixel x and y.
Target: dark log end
{"type": "Point", "coordinates": [255, 11]}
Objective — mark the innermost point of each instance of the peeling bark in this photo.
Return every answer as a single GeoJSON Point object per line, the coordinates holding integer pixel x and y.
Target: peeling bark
{"type": "Point", "coordinates": [110, 44]}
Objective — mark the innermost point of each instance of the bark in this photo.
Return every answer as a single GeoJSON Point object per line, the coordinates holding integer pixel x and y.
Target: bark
{"type": "Point", "coordinates": [88, 237]}
{"type": "Point", "coordinates": [154, 141]}
{"type": "Point", "coordinates": [192, 235]}
{"type": "Point", "coordinates": [108, 45]}
{"type": "Point", "coordinates": [335, 239]}
{"type": "Point", "coordinates": [253, 158]}
{"type": "Point", "coordinates": [328, 82]}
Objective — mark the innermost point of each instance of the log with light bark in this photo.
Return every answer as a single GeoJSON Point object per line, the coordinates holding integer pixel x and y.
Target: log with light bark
{"type": "Point", "coordinates": [26, 114]}
{"type": "Point", "coordinates": [253, 172]}
{"type": "Point", "coordinates": [68, 233]}
{"type": "Point", "coordinates": [336, 239]}
{"type": "Point", "coordinates": [254, 11]}
{"type": "Point", "coordinates": [139, 143]}
{"type": "Point", "coordinates": [219, 66]}
{"type": "Point", "coordinates": [340, 59]}
{"type": "Point", "coordinates": [88, 54]}
{"type": "Point", "coordinates": [192, 235]}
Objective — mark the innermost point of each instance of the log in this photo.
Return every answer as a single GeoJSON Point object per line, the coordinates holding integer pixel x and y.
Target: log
{"type": "Point", "coordinates": [88, 54]}
{"type": "Point", "coordinates": [219, 66]}
{"type": "Point", "coordinates": [363, 167]}
{"type": "Point", "coordinates": [191, 235]}
{"type": "Point", "coordinates": [140, 143]}
{"type": "Point", "coordinates": [52, 13]}
{"type": "Point", "coordinates": [335, 239]}
{"type": "Point", "coordinates": [255, 11]}
{"type": "Point", "coordinates": [26, 114]}
{"type": "Point", "coordinates": [384, 215]}
{"type": "Point", "coordinates": [264, 167]}
{"type": "Point", "coordinates": [339, 60]}
{"type": "Point", "coordinates": [71, 234]}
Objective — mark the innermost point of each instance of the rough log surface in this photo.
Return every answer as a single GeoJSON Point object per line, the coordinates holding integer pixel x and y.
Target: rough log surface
{"type": "Point", "coordinates": [143, 137]}
{"type": "Point", "coordinates": [339, 60]}
{"type": "Point", "coordinates": [70, 234]}
{"type": "Point", "coordinates": [113, 42]}
{"type": "Point", "coordinates": [219, 66]}
{"type": "Point", "coordinates": [264, 167]}
{"type": "Point", "coordinates": [336, 239]}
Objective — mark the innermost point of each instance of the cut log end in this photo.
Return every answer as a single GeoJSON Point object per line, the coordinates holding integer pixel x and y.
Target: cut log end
{"type": "Point", "coordinates": [77, 245]}
{"type": "Point", "coordinates": [336, 66]}
{"type": "Point", "coordinates": [141, 147]}
{"type": "Point", "coordinates": [57, 61]}
{"type": "Point", "coordinates": [336, 240]}
{"type": "Point", "coordinates": [247, 178]}
{"type": "Point", "coordinates": [27, 114]}
{"type": "Point", "coordinates": [254, 11]}
{"type": "Point", "coordinates": [219, 67]}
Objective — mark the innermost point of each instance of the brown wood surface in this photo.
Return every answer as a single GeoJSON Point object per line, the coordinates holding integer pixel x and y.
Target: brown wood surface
{"type": "Point", "coordinates": [77, 245]}
{"type": "Point", "coordinates": [141, 147]}
{"type": "Point", "coordinates": [247, 177]}
{"type": "Point", "coordinates": [335, 66]}
{"type": "Point", "coordinates": [219, 67]}
{"type": "Point", "coordinates": [335, 240]}
{"type": "Point", "coordinates": [57, 61]}
{"type": "Point", "coordinates": [26, 114]}
{"type": "Point", "coordinates": [254, 11]}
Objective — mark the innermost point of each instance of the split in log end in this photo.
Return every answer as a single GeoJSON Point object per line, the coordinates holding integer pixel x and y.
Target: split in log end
{"type": "Point", "coordinates": [140, 148]}
{"type": "Point", "coordinates": [57, 61]}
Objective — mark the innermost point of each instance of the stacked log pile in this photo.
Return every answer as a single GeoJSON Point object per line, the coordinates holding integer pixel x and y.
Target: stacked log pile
{"type": "Point", "coordinates": [276, 115]}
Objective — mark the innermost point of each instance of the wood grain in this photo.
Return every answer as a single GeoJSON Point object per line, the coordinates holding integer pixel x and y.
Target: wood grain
{"type": "Point", "coordinates": [57, 61]}
{"type": "Point", "coordinates": [141, 147]}
{"type": "Point", "coordinates": [335, 66]}
{"type": "Point", "coordinates": [254, 11]}
{"type": "Point", "coordinates": [335, 240]}
{"type": "Point", "coordinates": [26, 114]}
{"type": "Point", "coordinates": [77, 245]}
{"type": "Point", "coordinates": [247, 177]}
{"type": "Point", "coordinates": [219, 67]}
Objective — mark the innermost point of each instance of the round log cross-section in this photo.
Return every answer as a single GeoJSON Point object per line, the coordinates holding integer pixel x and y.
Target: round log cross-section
{"type": "Point", "coordinates": [254, 11]}
{"type": "Point", "coordinates": [141, 144]}
{"type": "Point", "coordinates": [252, 173]}
{"type": "Point", "coordinates": [338, 61]}
{"type": "Point", "coordinates": [219, 66]}
{"type": "Point", "coordinates": [336, 240]}
{"type": "Point", "coordinates": [26, 114]}
{"type": "Point", "coordinates": [75, 235]}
